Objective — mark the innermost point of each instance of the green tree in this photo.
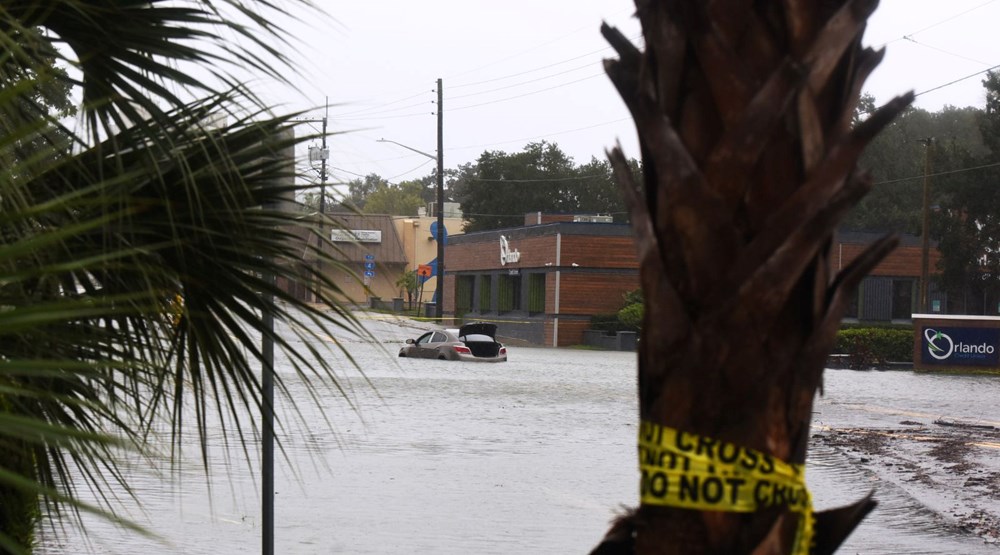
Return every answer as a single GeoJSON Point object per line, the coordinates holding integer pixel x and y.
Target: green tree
{"type": "Point", "coordinates": [968, 222]}
{"type": "Point", "coordinates": [505, 187]}
{"type": "Point", "coordinates": [410, 283]}
{"type": "Point", "coordinates": [500, 188]}
{"type": "Point", "coordinates": [399, 200]}
{"type": "Point", "coordinates": [358, 190]}
{"type": "Point", "coordinates": [896, 162]}
{"type": "Point", "coordinates": [135, 266]}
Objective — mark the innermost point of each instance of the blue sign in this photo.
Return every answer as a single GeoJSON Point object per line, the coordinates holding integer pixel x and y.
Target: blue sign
{"type": "Point", "coordinates": [369, 273]}
{"type": "Point", "coordinates": [369, 265]}
{"type": "Point", "coordinates": [951, 346]}
{"type": "Point", "coordinates": [369, 257]}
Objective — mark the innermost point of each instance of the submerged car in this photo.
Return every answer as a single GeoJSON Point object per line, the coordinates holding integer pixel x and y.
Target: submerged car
{"type": "Point", "coordinates": [472, 342]}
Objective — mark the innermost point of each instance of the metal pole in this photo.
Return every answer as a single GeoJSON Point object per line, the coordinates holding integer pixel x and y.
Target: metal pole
{"type": "Point", "coordinates": [267, 414]}
{"type": "Point", "coordinates": [267, 404]}
{"type": "Point", "coordinates": [439, 308]}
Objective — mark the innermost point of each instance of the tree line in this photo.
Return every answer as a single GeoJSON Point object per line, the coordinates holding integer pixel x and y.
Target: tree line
{"type": "Point", "coordinates": [958, 149]}
{"type": "Point", "coordinates": [499, 188]}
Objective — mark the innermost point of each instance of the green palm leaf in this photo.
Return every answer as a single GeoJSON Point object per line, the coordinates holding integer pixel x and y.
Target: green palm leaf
{"type": "Point", "coordinates": [138, 258]}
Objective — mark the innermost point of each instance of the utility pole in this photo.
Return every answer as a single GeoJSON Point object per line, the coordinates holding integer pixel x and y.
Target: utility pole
{"type": "Point", "coordinates": [322, 154]}
{"type": "Point", "coordinates": [439, 308]}
{"type": "Point", "coordinates": [925, 226]}
{"type": "Point", "coordinates": [440, 236]}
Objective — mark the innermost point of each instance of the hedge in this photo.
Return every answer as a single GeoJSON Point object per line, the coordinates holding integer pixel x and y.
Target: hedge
{"type": "Point", "coordinates": [875, 346]}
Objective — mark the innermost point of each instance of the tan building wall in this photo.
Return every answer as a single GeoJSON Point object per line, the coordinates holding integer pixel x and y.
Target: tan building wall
{"type": "Point", "coordinates": [420, 247]}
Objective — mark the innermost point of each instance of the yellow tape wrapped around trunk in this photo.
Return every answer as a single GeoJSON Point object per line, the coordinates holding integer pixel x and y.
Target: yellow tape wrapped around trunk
{"type": "Point", "coordinates": [689, 471]}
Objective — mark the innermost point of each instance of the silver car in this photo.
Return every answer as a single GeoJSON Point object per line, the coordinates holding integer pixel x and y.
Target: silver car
{"type": "Point", "coordinates": [472, 342]}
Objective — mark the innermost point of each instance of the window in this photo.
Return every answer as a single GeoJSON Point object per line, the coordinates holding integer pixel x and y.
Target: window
{"type": "Point", "coordinates": [536, 293]}
{"type": "Point", "coordinates": [902, 299]}
{"type": "Point", "coordinates": [485, 293]}
{"type": "Point", "coordinates": [463, 295]}
{"type": "Point", "coordinates": [508, 293]}
{"type": "Point", "coordinates": [852, 304]}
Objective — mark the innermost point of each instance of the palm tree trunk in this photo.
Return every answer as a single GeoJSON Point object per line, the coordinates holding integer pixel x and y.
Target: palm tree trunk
{"type": "Point", "coordinates": [743, 111]}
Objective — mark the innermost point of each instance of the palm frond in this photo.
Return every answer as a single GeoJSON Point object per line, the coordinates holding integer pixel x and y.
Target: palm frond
{"type": "Point", "coordinates": [137, 259]}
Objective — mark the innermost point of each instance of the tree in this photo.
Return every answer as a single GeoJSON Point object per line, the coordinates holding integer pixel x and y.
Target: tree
{"type": "Point", "coordinates": [360, 189]}
{"type": "Point", "coordinates": [598, 191]}
{"type": "Point", "coordinates": [136, 267]}
{"type": "Point", "coordinates": [896, 161]}
{"type": "Point", "coordinates": [500, 188]}
{"type": "Point", "coordinates": [967, 224]}
{"type": "Point", "coordinates": [743, 111]}
{"type": "Point", "coordinates": [310, 199]}
{"type": "Point", "coordinates": [410, 283]}
{"type": "Point", "coordinates": [400, 200]}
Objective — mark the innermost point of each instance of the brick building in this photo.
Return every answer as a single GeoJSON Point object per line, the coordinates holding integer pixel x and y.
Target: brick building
{"type": "Point", "coordinates": [541, 282]}
{"type": "Point", "coordinates": [891, 292]}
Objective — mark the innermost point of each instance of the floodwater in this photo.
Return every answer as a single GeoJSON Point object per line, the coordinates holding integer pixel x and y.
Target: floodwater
{"type": "Point", "coordinates": [532, 456]}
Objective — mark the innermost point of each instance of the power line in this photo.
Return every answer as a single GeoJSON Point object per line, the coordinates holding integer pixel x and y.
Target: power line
{"type": "Point", "coordinates": [578, 68]}
{"type": "Point", "coordinates": [499, 100]}
{"type": "Point", "coordinates": [959, 80]}
{"type": "Point", "coordinates": [532, 49]}
{"type": "Point", "coordinates": [543, 136]}
{"type": "Point", "coordinates": [950, 172]}
{"type": "Point", "coordinates": [380, 106]}
{"type": "Point", "coordinates": [533, 70]}
{"type": "Point", "coordinates": [409, 171]}
{"type": "Point", "coordinates": [941, 22]}
{"type": "Point", "coordinates": [543, 180]}
{"type": "Point", "coordinates": [943, 51]}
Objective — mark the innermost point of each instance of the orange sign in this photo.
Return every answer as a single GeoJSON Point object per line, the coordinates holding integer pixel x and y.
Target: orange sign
{"type": "Point", "coordinates": [424, 270]}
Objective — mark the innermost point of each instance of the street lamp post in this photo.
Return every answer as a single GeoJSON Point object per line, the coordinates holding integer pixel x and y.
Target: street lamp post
{"type": "Point", "coordinates": [438, 309]}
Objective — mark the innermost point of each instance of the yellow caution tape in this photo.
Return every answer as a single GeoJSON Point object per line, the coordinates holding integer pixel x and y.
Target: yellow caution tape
{"type": "Point", "coordinates": [690, 471]}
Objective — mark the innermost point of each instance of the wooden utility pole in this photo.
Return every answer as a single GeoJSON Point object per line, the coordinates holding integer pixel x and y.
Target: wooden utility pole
{"type": "Point", "coordinates": [925, 226]}
{"type": "Point", "coordinates": [743, 111]}
{"type": "Point", "coordinates": [441, 236]}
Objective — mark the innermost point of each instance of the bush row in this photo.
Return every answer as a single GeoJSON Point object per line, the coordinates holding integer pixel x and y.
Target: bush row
{"type": "Point", "coordinates": [866, 347]}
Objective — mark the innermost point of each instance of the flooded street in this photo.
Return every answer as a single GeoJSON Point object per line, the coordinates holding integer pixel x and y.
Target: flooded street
{"type": "Point", "coordinates": [531, 456]}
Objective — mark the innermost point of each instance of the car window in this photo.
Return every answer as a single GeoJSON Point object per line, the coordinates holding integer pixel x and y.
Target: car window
{"type": "Point", "coordinates": [439, 337]}
{"type": "Point", "coordinates": [425, 338]}
{"type": "Point", "coordinates": [477, 337]}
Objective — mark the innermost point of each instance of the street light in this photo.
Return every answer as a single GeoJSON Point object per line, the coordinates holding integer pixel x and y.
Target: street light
{"type": "Point", "coordinates": [438, 308]}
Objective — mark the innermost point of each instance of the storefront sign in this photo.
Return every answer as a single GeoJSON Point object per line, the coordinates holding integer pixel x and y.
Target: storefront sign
{"type": "Point", "coordinates": [953, 346]}
{"type": "Point", "coordinates": [356, 235]}
{"type": "Point", "coordinates": [507, 256]}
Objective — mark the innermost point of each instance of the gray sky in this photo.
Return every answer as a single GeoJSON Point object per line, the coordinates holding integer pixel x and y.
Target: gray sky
{"type": "Point", "coordinates": [523, 70]}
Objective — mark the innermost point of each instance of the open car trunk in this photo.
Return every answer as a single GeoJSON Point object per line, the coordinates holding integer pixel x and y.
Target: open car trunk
{"type": "Point", "coordinates": [480, 338]}
{"type": "Point", "coordinates": [483, 348]}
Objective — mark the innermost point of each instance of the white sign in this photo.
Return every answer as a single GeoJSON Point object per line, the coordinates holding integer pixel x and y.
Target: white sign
{"type": "Point", "coordinates": [507, 256]}
{"type": "Point", "coordinates": [356, 235]}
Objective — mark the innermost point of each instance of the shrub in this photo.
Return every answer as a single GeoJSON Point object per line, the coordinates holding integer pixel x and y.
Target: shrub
{"type": "Point", "coordinates": [875, 346]}
{"type": "Point", "coordinates": [607, 323]}
{"type": "Point", "coordinates": [631, 316]}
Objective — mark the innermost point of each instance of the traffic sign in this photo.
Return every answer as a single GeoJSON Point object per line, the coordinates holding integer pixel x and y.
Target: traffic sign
{"type": "Point", "coordinates": [369, 257]}
{"type": "Point", "coordinates": [369, 265]}
{"type": "Point", "coordinates": [424, 270]}
{"type": "Point", "coordinates": [369, 273]}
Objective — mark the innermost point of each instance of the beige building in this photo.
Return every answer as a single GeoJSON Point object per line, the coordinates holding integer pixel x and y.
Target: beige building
{"type": "Point", "coordinates": [419, 246]}
{"type": "Point", "coordinates": [371, 252]}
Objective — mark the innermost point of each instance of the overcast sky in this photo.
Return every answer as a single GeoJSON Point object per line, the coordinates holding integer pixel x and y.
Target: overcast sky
{"type": "Point", "coordinates": [528, 70]}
